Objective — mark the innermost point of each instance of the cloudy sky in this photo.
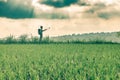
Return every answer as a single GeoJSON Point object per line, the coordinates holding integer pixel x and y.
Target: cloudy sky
{"type": "Point", "coordinates": [98, 16]}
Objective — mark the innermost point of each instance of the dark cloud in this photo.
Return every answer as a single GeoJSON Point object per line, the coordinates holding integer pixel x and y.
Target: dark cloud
{"type": "Point", "coordinates": [16, 9]}
{"type": "Point", "coordinates": [58, 3]}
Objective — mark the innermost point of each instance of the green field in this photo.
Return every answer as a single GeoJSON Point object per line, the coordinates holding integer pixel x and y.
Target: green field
{"type": "Point", "coordinates": [60, 62]}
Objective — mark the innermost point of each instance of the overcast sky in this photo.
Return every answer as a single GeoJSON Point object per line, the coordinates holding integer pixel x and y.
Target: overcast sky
{"type": "Point", "coordinates": [84, 19]}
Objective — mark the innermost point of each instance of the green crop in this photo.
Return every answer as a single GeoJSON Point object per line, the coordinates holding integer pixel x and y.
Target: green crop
{"type": "Point", "coordinates": [60, 62]}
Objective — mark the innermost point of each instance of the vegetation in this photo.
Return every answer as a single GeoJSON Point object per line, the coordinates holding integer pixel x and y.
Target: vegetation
{"type": "Point", "coordinates": [103, 37]}
{"type": "Point", "coordinates": [118, 34]}
{"type": "Point", "coordinates": [60, 62]}
{"type": "Point", "coordinates": [89, 60]}
{"type": "Point", "coordinates": [91, 38]}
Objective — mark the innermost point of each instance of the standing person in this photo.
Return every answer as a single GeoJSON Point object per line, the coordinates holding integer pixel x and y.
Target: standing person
{"type": "Point", "coordinates": [40, 32]}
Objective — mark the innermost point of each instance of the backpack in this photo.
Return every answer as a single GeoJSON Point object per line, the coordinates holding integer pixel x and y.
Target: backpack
{"type": "Point", "coordinates": [39, 31]}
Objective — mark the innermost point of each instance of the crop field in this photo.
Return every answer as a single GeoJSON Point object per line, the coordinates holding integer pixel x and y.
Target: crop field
{"type": "Point", "coordinates": [60, 62]}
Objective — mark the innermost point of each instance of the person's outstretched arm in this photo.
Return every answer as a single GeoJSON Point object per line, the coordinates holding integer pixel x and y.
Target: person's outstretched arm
{"type": "Point", "coordinates": [46, 29]}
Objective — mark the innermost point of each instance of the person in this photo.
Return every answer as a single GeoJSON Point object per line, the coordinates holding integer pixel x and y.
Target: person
{"type": "Point", "coordinates": [40, 32]}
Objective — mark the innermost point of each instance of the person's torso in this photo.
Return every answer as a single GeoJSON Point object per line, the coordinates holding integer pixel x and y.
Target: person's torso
{"type": "Point", "coordinates": [40, 31]}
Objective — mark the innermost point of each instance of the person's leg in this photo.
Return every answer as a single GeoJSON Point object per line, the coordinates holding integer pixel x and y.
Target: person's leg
{"type": "Point", "coordinates": [40, 38]}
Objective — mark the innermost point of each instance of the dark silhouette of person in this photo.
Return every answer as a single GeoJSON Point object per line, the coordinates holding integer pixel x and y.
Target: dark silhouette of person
{"type": "Point", "coordinates": [40, 32]}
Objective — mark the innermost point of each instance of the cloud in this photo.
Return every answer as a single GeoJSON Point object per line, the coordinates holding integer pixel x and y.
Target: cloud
{"type": "Point", "coordinates": [103, 11]}
{"type": "Point", "coordinates": [34, 8]}
{"type": "Point", "coordinates": [20, 9]}
{"type": "Point", "coordinates": [58, 3]}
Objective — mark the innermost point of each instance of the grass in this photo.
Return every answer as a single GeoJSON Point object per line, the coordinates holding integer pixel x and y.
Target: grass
{"type": "Point", "coordinates": [60, 62]}
{"type": "Point", "coordinates": [23, 39]}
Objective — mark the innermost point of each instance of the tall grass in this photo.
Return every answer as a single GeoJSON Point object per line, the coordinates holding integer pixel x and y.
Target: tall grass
{"type": "Point", "coordinates": [9, 40]}
{"type": "Point", "coordinates": [24, 39]}
{"type": "Point", "coordinates": [60, 62]}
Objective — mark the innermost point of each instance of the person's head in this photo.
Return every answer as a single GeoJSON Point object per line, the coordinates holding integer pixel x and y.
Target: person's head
{"type": "Point", "coordinates": [41, 27]}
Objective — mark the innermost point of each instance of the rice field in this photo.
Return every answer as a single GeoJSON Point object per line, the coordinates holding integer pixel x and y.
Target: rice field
{"type": "Point", "coordinates": [60, 62]}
